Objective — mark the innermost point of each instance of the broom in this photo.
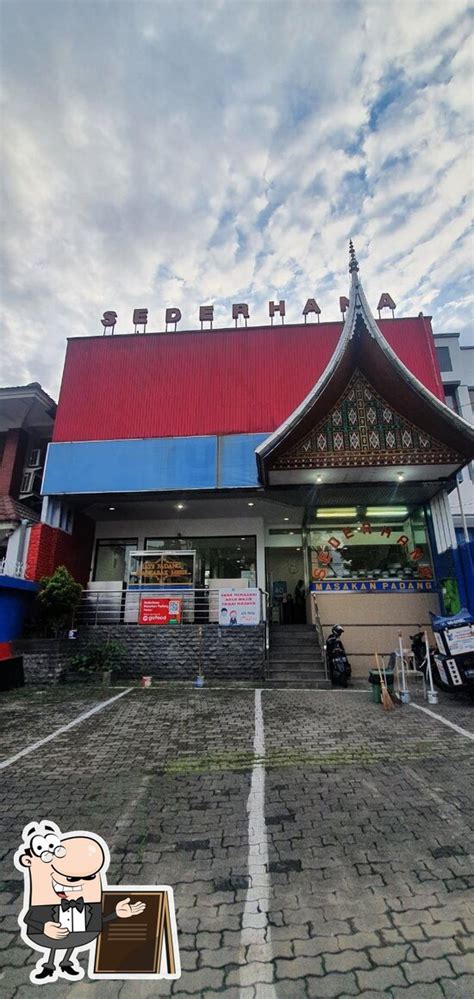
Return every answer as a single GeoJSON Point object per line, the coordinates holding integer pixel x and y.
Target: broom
{"type": "Point", "coordinates": [387, 702]}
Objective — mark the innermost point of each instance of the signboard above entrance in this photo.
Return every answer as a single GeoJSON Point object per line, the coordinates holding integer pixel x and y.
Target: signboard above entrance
{"type": "Point", "coordinates": [166, 570]}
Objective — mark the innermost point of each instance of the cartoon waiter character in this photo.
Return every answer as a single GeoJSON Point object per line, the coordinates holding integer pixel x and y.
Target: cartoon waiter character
{"type": "Point", "coordinates": [64, 878]}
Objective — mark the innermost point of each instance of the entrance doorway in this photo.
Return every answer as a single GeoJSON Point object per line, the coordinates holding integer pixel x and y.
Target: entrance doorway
{"type": "Point", "coordinates": [285, 584]}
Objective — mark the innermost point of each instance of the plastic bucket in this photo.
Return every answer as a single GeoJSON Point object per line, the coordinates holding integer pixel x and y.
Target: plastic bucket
{"type": "Point", "coordinates": [376, 693]}
{"type": "Point", "coordinates": [374, 680]}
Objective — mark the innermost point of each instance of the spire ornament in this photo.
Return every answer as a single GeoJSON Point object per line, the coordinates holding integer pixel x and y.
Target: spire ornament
{"type": "Point", "coordinates": [353, 263]}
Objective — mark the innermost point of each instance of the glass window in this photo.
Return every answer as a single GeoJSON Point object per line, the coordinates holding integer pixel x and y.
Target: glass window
{"type": "Point", "coordinates": [216, 558]}
{"type": "Point", "coordinates": [382, 545]}
{"type": "Point", "coordinates": [451, 397]}
{"type": "Point", "coordinates": [444, 359]}
{"type": "Point", "coordinates": [111, 558]}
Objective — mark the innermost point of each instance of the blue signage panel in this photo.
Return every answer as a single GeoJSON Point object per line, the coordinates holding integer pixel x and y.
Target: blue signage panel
{"type": "Point", "coordinates": [374, 586]}
{"type": "Point", "coordinates": [236, 461]}
{"type": "Point", "coordinates": [152, 464]}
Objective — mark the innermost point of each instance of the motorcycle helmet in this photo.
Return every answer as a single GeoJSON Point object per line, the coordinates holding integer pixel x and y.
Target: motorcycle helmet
{"type": "Point", "coordinates": [337, 630]}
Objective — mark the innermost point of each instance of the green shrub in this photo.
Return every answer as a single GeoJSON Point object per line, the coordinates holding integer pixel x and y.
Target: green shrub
{"type": "Point", "coordinates": [98, 657]}
{"type": "Point", "coordinates": [57, 599]}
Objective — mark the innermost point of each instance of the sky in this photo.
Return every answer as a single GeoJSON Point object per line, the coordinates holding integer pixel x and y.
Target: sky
{"type": "Point", "coordinates": [177, 154]}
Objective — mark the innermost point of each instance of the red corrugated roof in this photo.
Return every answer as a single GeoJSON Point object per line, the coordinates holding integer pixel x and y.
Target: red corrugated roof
{"type": "Point", "coordinates": [212, 382]}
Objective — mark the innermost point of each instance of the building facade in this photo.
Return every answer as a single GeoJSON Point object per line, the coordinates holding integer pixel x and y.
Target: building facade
{"type": "Point", "coordinates": [314, 457]}
{"type": "Point", "coordinates": [26, 426]}
{"type": "Point", "coordinates": [457, 372]}
{"type": "Point", "coordinates": [456, 365]}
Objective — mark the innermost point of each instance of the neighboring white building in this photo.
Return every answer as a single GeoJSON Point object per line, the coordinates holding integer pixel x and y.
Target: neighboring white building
{"type": "Point", "coordinates": [457, 372]}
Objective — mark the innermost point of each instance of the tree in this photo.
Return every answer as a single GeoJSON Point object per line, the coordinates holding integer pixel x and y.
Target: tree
{"type": "Point", "coordinates": [57, 598]}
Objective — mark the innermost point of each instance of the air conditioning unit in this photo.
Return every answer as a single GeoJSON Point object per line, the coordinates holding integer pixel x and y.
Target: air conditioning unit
{"type": "Point", "coordinates": [35, 458]}
{"type": "Point", "coordinates": [31, 483]}
{"type": "Point", "coordinates": [26, 482]}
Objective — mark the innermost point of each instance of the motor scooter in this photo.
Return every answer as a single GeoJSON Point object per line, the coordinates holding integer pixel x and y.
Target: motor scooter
{"type": "Point", "coordinates": [452, 660]}
{"type": "Point", "coordinates": [339, 667]}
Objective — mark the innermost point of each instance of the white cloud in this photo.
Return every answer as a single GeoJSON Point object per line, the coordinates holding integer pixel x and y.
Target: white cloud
{"type": "Point", "coordinates": [179, 154]}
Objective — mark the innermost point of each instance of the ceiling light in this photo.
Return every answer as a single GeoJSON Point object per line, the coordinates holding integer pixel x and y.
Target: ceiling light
{"type": "Point", "coordinates": [238, 548]}
{"type": "Point", "coordinates": [286, 518]}
{"type": "Point", "coordinates": [319, 478]}
{"type": "Point", "coordinates": [334, 512]}
{"type": "Point", "coordinates": [180, 506]}
{"type": "Point", "coordinates": [298, 549]}
{"type": "Point", "coordinates": [111, 508]}
{"type": "Point", "coordinates": [400, 476]}
{"type": "Point", "coordinates": [389, 511]}
{"type": "Point", "coordinates": [291, 532]}
{"type": "Point", "coordinates": [250, 503]}
{"type": "Point", "coordinates": [242, 539]}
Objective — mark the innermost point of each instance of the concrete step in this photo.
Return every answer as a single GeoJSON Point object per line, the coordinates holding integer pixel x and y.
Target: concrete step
{"type": "Point", "coordinates": [300, 674]}
{"type": "Point", "coordinates": [291, 627]}
{"type": "Point", "coordinates": [293, 662]}
{"type": "Point", "coordinates": [296, 650]}
{"type": "Point", "coordinates": [300, 638]}
{"type": "Point", "coordinates": [291, 653]}
{"type": "Point", "coordinates": [297, 646]}
{"type": "Point", "coordinates": [293, 631]}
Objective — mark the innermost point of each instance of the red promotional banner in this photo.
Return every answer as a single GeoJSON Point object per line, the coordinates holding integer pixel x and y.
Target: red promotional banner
{"type": "Point", "coordinates": [160, 610]}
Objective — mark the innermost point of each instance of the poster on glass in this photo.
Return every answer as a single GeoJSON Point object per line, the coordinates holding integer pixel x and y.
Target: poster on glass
{"type": "Point", "coordinates": [239, 607]}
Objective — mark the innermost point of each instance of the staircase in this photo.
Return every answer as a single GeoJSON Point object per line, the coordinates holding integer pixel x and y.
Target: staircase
{"type": "Point", "coordinates": [295, 657]}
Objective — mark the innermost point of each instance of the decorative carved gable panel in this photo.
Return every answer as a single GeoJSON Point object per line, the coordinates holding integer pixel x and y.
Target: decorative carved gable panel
{"type": "Point", "coordinates": [362, 429]}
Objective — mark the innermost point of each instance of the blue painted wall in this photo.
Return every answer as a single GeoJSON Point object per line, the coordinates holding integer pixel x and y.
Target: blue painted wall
{"type": "Point", "coordinates": [454, 563]}
{"type": "Point", "coordinates": [152, 464]}
{"type": "Point", "coordinates": [16, 596]}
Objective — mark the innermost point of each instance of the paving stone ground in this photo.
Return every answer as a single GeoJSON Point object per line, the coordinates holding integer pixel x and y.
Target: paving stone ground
{"type": "Point", "coordinates": [360, 883]}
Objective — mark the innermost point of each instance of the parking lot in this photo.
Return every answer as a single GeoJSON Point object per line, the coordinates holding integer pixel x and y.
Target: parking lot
{"type": "Point", "coordinates": [317, 846]}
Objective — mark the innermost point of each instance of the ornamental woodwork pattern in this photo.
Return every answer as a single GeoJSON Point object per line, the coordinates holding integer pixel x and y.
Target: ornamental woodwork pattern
{"type": "Point", "coordinates": [362, 429]}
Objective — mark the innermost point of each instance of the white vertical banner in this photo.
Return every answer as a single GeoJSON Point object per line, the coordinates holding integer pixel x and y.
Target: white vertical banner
{"type": "Point", "coordinates": [443, 526]}
{"type": "Point", "coordinates": [239, 606]}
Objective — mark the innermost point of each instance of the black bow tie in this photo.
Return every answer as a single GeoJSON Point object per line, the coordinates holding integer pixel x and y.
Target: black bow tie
{"type": "Point", "coordinates": [74, 903]}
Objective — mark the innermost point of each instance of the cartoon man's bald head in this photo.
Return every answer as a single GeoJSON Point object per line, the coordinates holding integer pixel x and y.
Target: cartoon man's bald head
{"type": "Point", "coordinates": [62, 866]}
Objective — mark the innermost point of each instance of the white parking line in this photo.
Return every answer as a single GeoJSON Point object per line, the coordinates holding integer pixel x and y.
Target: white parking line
{"type": "Point", "coordinates": [258, 857]}
{"type": "Point", "coordinates": [64, 728]}
{"type": "Point", "coordinates": [444, 721]}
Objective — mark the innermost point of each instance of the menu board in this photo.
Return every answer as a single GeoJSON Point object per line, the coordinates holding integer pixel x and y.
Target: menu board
{"type": "Point", "coordinates": [144, 945]}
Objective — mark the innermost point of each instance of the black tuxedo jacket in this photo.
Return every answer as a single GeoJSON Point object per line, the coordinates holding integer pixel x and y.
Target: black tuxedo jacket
{"type": "Point", "coordinates": [38, 915]}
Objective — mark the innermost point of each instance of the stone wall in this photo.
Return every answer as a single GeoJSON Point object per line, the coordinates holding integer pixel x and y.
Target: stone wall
{"type": "Point", "coordinates": [169, 653]}
{"type": "Point", "coordinates": [44, 660]}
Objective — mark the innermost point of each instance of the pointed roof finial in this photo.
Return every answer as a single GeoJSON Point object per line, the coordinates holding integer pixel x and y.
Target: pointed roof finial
{"type": "Point", "coordinates": [353, 263]}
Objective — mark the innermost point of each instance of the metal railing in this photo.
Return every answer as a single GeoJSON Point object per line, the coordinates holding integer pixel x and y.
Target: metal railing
{"type": "Point", "coordinates": [319, 632]}
{"type": "Point", "coordinates": [199, 605]}
{"type": "Point", "coordinates": [11, 568]}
